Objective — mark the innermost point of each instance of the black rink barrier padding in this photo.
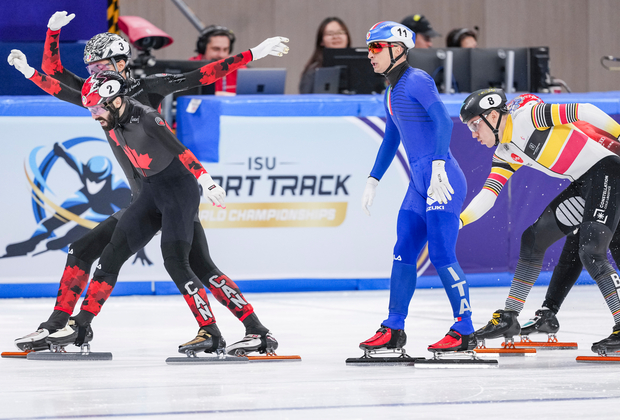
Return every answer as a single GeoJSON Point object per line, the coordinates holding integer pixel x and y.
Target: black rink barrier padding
{"type": "Point", "coordinates": [205, 360]}
{"type": "Point", "coordinates": [43, 355]}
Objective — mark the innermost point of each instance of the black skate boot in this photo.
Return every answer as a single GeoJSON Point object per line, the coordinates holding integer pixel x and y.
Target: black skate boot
{"type": "Point", "coordinates": [385, 338]}
{"type": "Point", "coordinates": [610, 344]}
{"type": "Point", "coordinates": [262, 343]}
{"type": "Point", "coordinates": [503, 324]}
{"type": "Point", "coordinates": [544, 322]}
{"type": "Point", "coordinates": [209, 339]}
{"type": "Point", "coordinates": [72, 333]}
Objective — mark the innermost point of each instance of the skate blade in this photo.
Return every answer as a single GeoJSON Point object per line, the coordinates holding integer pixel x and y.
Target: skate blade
{"type": "Point", "coordinates": [382, 361]}
{"type": "Point", "coordinates": [206, 360]}
{"type": "Point", "coordinates": [69, 356]}
{"type": "Point", "coordinates": [14, 354]}
{"type": "Point", "coordinates": [274, 358]}
{"type": "Point", "coordinates": [456, 363]}
{"type": "Point", "coordinates": [506, 352]}
{"type": "Point", "coordinates": [598, 359]}
{"type": "Point", "coordinates": [546, 345]}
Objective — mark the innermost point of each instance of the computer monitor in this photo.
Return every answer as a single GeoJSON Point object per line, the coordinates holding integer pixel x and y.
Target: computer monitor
{"type": "Point", "coordinates": [261, 81]}
{"type": "Point", "coordinates": [540, 78]}
{"type": "Point", "coordinates": [357, 74]}
{"type": "Point", "coordinates": [488, 69]}
{"type": "Point", "coordinates": [434, 61]}
{"type": "Point", "coordinates": [326, 80]}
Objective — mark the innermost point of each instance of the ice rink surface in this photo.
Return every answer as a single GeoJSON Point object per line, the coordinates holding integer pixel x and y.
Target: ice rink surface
{"type": "Point", "coordinates": [324, 329]}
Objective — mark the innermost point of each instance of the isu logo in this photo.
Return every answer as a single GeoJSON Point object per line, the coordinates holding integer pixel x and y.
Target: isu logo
{"type": "Point", "coordinates": [516, 158]}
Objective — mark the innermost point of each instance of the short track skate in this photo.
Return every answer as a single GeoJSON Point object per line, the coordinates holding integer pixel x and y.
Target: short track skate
{"type": "Point", "coordinates": [552, 343]}
{"type": "Point", "coordinates": [608, 349]}
{"type": "Point", "coordinates": [218, 357]}
{"type": "Point", "coordinates": [603, 357]}
{"type": "Point", "coordinates": [59, 353]}
{"type": "Point", "coordinates": [507, 348]}
{"type": "Point", "coordinates": [467, 359]}
{"type": "Point", "coordinates": [265, 346]}
{"type": "Point", "coordinates": [543, 322]}
{"type": "Point", "coordinates": [398, 357]}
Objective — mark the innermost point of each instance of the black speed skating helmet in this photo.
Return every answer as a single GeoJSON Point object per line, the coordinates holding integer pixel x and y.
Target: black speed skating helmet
{"type": "Point", "coordinates": [481, 102]}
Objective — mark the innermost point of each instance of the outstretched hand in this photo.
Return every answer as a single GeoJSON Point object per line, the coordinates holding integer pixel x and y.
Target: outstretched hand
{"type": "Point", "coordinates": [18, 60]}
{"type": "Point", "coordinates": [271, 46]}
{"type": "Point", "coordinates": [59, 19]}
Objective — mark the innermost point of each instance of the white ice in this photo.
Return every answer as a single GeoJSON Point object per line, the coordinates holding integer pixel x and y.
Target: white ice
{"type": "Point", "coordinates": [325, 329]}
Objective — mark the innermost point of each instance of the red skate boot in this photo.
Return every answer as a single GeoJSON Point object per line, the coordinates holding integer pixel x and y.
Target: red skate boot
{"type": "Point", "coordinates": [453, 351]}
{"type": "Point", "coordinates": [385, 338]}
{"type": "Point", "coordinates": [453, 341]}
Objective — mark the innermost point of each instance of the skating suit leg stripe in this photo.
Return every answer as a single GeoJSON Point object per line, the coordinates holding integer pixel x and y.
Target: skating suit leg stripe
{"type": "Point", "coordinates": [524, 278]}
{"type": "Point", "coordinates": [608, 290]}
{"type": "Point", "coordinates": [453, 273]}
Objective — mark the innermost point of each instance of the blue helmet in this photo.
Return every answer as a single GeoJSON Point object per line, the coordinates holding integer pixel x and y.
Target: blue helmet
{"type": "Point", "coordinates": [391, 32]}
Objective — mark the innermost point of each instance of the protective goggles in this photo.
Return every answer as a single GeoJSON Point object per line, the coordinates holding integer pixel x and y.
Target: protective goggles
{"type": "Point", "coordinates": [97, 110]}
{"type": "Point", "coordinates": [377, 47]}
{"type": "Point", "coordinates": [474, 125]}
{"type": "Point", "coordinates": [93, 68]}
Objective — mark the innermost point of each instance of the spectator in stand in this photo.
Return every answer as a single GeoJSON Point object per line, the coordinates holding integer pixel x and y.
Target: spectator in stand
{"type": "Point", "coordinates": [215, 43]}
{"type": "Point", "coordinates": [462, 37]}
{"type": "Point", "coordinates": [332, 33]}
{"type": "Point", "coordinates": [423, 30]}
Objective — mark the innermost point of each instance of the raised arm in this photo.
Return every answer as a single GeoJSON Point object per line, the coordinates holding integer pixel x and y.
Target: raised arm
{"type": "Point", "coordinates": [48, 84]}
{"type": "Point", "coordinates": [51, 64]}
{"type": "Point", "coordinates": [211, 72]}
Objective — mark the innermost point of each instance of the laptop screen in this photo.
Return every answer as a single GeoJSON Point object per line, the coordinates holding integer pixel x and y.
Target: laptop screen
{"type": "Point", "coordinates": [261, 81]}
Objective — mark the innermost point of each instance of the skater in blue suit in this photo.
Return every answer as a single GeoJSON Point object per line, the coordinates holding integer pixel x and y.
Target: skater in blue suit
{"type": "Point", "coordinates": [437, 188]}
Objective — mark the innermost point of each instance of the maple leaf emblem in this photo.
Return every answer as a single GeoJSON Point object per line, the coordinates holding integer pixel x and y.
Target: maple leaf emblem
{"type": "Point", "coordinates": [138, 160]}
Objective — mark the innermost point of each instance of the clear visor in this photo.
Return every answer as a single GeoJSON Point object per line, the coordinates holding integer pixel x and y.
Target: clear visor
{"type": "Point", "coordinates": [96, 67]}
{"type": "Point", "coordinates": [97, 110]}
{"type": "Point", "coordinates": [474, 125]}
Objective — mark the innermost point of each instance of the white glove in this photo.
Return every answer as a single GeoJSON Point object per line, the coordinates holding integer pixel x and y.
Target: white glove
{"type": "Point", "coordinates": [212, 191]}
{"type": "Point", "coordinates": [270, 46]}
{"type": "Point", "coordinates": [369, 194]}
{"type": "Point", "coordinates": [440, 188]}
{"type": "Point", "coordinates": [59, 19]}
{"type": "Point", "coordinates": [18, 60]}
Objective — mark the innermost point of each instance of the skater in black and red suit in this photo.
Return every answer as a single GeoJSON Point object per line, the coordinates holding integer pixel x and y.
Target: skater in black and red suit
{"type": "Point", "coordinates": [109, 51]}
